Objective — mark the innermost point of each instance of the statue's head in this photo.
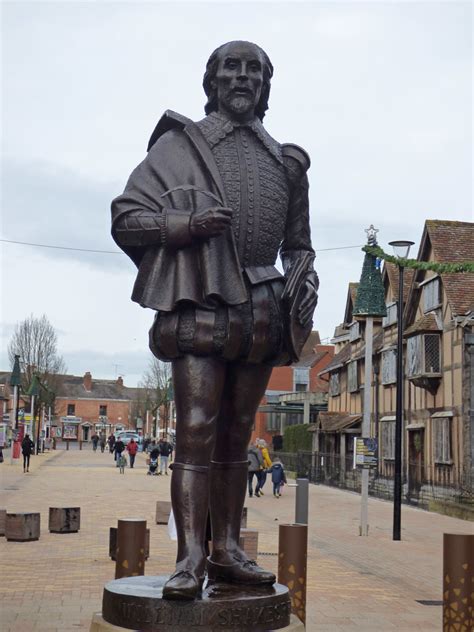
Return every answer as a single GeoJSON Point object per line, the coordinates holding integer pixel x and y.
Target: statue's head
{"type": "Point", "coordinates": [237, 80]}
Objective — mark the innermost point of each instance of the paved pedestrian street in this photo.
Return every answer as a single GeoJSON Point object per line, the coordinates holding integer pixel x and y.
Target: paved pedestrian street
{"type": "Point", "coordinates": [354, 583]}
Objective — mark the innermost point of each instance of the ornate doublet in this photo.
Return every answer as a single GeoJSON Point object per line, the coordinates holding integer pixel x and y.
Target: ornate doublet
{"type": "Point", "coordinates": [251, 165]}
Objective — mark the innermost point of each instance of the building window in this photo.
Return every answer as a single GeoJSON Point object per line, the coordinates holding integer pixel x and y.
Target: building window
{"type": "Point", "coordinates": [334, 384]}
{"type": "Point", "coordinates": [389, 366]}
{"type": "Point", "coordinates": [301, 379]}
{"type": "Point", "coordinates": [352, 377]}
{"type": "Point", "coordinates": [391, 316]}
{"type": "Point", "coordinates": [423, 355]}
{"type": "Point", "coordinates": [354, 331]}
{"type": "Point", "coordinates": [442, 440]}
{"type": "Point", "coordinates": [431, 295]}
{"type": "Point", "coordinates": [102, 411]}
{"type": "Point", "coordinates": [388, 440]}
{"type": "Point", "coordinates": [71, 410]}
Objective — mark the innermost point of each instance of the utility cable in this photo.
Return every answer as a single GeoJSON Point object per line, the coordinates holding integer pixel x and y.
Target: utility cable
{"type": "Point", "coordinates": [119, 252]}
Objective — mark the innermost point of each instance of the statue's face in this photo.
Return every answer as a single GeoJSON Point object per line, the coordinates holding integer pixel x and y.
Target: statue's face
{"type": "Point", "coordinates": [239, 80]}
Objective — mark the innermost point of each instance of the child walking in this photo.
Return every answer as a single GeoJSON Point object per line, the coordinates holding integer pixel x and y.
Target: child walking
{"type": "Point", "coordinates": [278, 476]}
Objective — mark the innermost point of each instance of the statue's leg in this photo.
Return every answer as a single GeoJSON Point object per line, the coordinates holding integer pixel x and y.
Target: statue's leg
{"type": "Point", "coordinates": [244, 389]}
{"type": "Point", "coordinates": [198, 384]}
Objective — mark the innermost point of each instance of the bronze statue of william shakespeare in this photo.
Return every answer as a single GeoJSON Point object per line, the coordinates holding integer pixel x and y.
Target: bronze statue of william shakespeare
{"type": "Point", "coordinates": [204, 218]}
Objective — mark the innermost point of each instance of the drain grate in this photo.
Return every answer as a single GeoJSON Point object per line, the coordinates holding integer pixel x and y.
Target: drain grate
{"type": "Point", "coordinates": [429, 602]}
{"type": "Point", "coordinates": [268, 554]}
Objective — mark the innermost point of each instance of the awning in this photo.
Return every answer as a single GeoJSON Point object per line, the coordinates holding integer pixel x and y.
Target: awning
{"type": "Point", "coordinates": [416, 426]}
{"type": "Point", "coordinates": [442, 414]}
{"type": "Point", "coordinates": [335, 422]}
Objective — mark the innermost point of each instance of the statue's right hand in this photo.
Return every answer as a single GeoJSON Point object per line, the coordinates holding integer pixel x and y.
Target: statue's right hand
{"type": "Point", "coordinates": [211, 222]}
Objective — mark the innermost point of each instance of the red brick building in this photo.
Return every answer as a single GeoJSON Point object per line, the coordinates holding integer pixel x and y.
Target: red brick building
{"type": "Point", "coordinates": [295, 393]}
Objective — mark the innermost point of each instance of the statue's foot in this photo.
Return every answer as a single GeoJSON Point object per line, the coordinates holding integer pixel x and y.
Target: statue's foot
{"type": "Point", "coordinates": [183, 585]}
{"type": "Point", "coordinates": [241, 571]}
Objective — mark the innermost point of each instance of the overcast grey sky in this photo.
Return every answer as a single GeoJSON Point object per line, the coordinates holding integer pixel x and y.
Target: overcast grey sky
{"type": "Point", "coordinates": [379, 93]}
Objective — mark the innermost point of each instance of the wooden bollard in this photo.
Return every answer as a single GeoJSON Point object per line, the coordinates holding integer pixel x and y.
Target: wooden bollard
{"type": "Point", "coordinates": [64, 519]}
{"type": "Point", "coordinates": [3, 518]}
{"type": "Point", "coordinates": [458, 582]}
{"type": "Point", "coordinates": [113, 543]}
{"type": "Point", "coordinates": [249, 542]}
{"type": "Point", "coordinates": [22, 527]}
{"type": "Point", "coordinates": [131, 537]}
{"type": "Point", "coordinates": [163, 510]}
{"type": "Point", "coordinates": [243, 520]}
{"type": "Point", "coordinates": [292, 558]}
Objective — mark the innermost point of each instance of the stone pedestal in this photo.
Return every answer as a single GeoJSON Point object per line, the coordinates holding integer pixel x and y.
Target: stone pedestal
{"type": "Point", "coordinates": [163, 510]}
{"type": "Point", "coordinates": [3, 519]}
{"type": "Point", "coordinates": [64, 519]}
{"type": "Point", "coordinates": [100, 625]}
{"type": "Point", "coordinates": [135, 603]}
{"type": "Point", "coordinates": [22, 527]}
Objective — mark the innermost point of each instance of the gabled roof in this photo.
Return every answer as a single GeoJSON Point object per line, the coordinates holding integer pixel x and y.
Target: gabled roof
{"type": "Point", "coordinates": [390, 271]}
{"type": "Point", "coordinates": [339, 359]}
{"type": "Point", "coordinates": [450, 242]}
{"type": "Point", "coordinates": [72, 387]}
{"type": "Point", "coordinates": [350, 302]}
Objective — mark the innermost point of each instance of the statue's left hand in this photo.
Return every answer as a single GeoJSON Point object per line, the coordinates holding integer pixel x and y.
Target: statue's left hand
{"type": "Point", "coordinates": [308, 304]}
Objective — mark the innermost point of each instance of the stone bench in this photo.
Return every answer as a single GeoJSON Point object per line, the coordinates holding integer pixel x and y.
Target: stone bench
{"type": "Point", "coordinates": [113, 543]}
{"type": "Point", "coordinates": [249, 542]}
{"type": "Point", "coordinates": [163, 510]}
{"type": "Point", "coordinates": [64, 519]}
{"type": "Point", "coordinates": [3, 518]}
{"type": "Point", "coordinates": [22, 527]}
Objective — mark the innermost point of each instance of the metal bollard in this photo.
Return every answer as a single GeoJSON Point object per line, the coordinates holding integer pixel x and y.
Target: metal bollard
{"type": "Point", "coordinates": [131, 544]}
{"type": "Point", "coordinates": [302, 502]}
{"type": "Point", "coordinates": [292, 558]}
{"type": "Point", "coordinates": [458, 582]}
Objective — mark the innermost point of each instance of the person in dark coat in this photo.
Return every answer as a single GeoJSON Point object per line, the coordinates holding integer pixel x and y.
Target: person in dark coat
{"type": "Point", "coordinates": [111, 442]}
{"type": "Point", "coordinates": [255, 460]}
{"type": "Point", "coordinates": [118, 449]}
{"type": "Point", "coordinates": [278, 476]}
{"type": "Point", "coordinates": [27, 448]}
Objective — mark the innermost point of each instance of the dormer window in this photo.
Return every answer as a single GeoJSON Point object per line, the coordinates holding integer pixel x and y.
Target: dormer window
{"type": "Point", "coordinates": [424, 355]}
{"type": "Point", "coordinates": [391, 316]}
{"type": "Point", "coordinates": [354, 331]}
{"type": "Point", "coordinates": [431, 294]}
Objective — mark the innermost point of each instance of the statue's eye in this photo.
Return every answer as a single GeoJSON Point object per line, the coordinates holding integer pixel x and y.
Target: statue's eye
{"type": "Point", "coordinates": [231, 63]}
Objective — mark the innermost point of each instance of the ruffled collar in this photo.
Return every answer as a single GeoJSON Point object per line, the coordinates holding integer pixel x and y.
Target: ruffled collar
{"type": "Point", "coordinates": [216, 126]}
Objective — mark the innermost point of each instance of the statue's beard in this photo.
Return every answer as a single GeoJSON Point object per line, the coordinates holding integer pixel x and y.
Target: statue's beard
{"type": "Point", "coordinates": [240, 104]}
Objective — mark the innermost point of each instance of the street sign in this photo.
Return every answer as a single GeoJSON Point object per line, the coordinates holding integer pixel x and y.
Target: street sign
{"type": "Point", "coordinates": [365, 452]}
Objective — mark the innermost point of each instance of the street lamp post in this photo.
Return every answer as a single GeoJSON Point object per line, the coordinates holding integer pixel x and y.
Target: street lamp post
{"type": "Point", "coordinates": [401, 250]}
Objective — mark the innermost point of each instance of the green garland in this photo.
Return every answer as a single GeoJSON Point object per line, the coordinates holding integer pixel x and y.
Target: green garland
{"type": "Point", "coordinates": [440, 268]}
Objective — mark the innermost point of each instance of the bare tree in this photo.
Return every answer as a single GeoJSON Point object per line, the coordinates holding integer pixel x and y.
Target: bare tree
{"type": "Point", "coordinates": [156, 385]}
{"type": "Point", "coordinates": [35, 341]}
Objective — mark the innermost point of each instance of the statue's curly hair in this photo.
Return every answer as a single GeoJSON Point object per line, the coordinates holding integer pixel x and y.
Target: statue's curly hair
{"type": "Point", "coordinates": [211, 70]}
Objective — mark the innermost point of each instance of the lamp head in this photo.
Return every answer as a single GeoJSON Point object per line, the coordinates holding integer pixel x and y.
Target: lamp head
{"type": "Point", "coordinates": [401, 248]}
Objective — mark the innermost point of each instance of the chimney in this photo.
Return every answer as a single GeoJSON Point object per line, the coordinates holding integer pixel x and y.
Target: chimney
{"type": "Point", "coordinates": [120, 380]}
{"type": "Point", "coordinates": [87, 381]}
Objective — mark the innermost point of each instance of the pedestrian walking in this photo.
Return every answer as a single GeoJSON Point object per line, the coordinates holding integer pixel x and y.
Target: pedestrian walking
{"type": "Point", "coordinates": [27, 447]}
{"type": "Point", "coordinates": [166, 449]}
{"type": "Point", "coordinates": [278, 477]}
{"type": "Point", "coordinates": [132, 449]}
{"type": "Point", "coordinates": [111, 442]}
{"type": "Point", "coordinates": [102, 441]}
{"type": "Point", "coordinates": [267, 463]}
{"type": "Point", "coordinates": [255, 461]}
{"type": "Point", "coordinates": [95, 441]}
{"type": "Point", "coordinates": [119, 447]}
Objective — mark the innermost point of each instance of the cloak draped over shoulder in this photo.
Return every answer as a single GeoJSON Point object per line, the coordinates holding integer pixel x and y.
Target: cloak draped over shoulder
{"type": "Point", "coordinates": [179, 174]}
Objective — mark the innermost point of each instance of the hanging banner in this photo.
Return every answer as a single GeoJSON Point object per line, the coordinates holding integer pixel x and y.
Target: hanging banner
{"type": "Point", "coordinates": [365, 452]}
